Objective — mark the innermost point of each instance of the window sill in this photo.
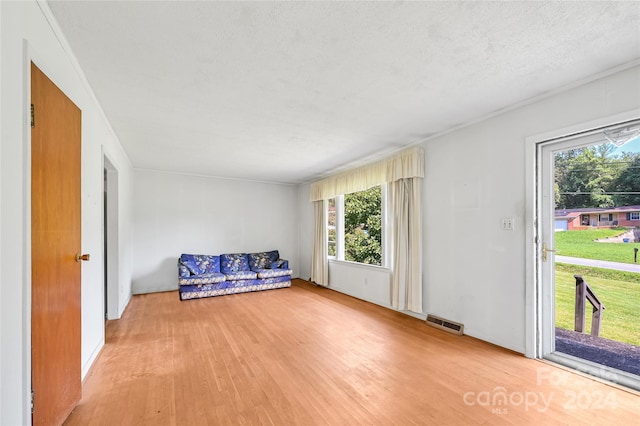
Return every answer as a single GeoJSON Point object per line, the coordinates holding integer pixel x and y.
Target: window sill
{"type": "Point", "coordinates": [359, 265]}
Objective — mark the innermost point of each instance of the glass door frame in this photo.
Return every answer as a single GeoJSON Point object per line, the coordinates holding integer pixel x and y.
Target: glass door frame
{"type": "Point", "coordinates": [539, 217]}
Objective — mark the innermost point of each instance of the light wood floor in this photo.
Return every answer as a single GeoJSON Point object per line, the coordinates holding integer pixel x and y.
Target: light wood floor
{"type": "Point", "coordinates": [306, 356]}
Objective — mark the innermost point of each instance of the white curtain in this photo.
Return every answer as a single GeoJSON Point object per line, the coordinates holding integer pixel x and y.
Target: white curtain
{"type": "Point", "coordinates": [405, 164]}
{"type": "Point", "coordinates": [403, 172]}
{"type": "Point", "coordinates": [406, 240]}
{"type": "Point", "coordinates": [319, 262]}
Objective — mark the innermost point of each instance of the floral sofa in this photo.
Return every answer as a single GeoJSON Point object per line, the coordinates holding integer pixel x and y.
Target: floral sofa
{"type": "Point", "coordinates": [202, 275]}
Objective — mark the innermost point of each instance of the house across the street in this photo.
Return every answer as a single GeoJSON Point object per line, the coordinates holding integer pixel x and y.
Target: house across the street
{"type": "Point", "coordinates": [589, 218]}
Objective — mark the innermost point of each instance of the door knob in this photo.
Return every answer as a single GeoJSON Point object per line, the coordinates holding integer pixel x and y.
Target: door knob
{"type": "Point", "coordinates": [84, 257]}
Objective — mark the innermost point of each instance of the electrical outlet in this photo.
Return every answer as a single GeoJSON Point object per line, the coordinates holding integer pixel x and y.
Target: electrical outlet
{"type": "Point", "coordinates": [508, 224]}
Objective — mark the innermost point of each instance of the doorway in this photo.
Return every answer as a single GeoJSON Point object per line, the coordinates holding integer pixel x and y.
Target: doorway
{"type": "Point", "coordinates": [583, 209]}
{"type": "Point", "coordinates": [111, 241]}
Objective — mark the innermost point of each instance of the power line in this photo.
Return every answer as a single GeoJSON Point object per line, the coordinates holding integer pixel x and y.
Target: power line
{"type": "Point", "coordinates": [599, 193]}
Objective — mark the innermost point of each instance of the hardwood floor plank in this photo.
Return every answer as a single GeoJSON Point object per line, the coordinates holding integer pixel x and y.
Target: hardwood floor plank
{"type": "Point", "coordinates": [311, 356]}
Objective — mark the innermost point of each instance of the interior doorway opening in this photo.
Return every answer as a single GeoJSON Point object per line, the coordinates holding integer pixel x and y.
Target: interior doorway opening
{"type": "Point", "coordinates": [111, 241]}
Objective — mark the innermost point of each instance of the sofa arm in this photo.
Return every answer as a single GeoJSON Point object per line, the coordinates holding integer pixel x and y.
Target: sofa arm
{"type": "Point", "coordinates": [280, 264]}
{"type": "Point", "coordinates": [183, 271]}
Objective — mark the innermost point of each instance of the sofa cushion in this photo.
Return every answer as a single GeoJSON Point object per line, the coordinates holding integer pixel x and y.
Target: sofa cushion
{"type": "Point", "coordinates": [271, 273]}
{"type": "Point", "coordinates": [265, 260]}
{"type": "Point", "coordinates": [280, 263]}
{"type": "Point", "coordinates": [273, 255]}
{"type": "Point", "coordinates": [234, 262]}
{"type": "Point", "coordinates": [206, 278]}
{"type": "Point", "coordinates": [210, 264]}
{"type": "Point", "coordinates": [207, 263]}
{"type": "Point", "coordinates": [192, 266]}
{"type": "Point", "coordinates": [259, 261]}
{"type": "Point", "coordinates": [200, 263]}
{"type": "Point", "coordinates": [183, 271]}
{"type": "Point", "coordinates": [241, 275]}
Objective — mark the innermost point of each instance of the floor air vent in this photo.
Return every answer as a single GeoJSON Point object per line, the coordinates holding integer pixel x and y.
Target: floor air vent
{"type": "Point", "coordinates": [446, 325]}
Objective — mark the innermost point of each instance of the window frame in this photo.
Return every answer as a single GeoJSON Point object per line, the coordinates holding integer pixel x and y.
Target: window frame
{"type": "Point", "coordinates": [339, 227]}
{"type": "Point", "coordinates": [340, 222]}
{"type": "Point", "coordinates": [634, 215]}
{"type": "Point", "coordinates": [331, 227]}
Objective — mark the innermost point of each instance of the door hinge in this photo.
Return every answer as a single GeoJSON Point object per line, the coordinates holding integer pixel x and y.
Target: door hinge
{"type": "Point", "coordinates": [33, 395]}
{"type": "Point", "coordinates": [33, 116]}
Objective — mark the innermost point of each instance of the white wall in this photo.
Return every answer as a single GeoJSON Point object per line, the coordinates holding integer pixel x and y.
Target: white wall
{"type": "Point", "coordinates": [474, 272]}
{"type": "Point", "coordinates": [305, 230]}
{"type": "Point", "coordinates": [177, 214]}
{"type": "Point", "coordinates": [369, 283]}
{"type": "Point", "coordinates": [28, 33]}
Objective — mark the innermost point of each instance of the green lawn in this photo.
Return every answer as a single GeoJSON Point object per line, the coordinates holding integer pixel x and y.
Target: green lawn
{"type": "Point", "coordinates": [620, 320]}
{"type": "Point", "coordinates": [582, 244]}
{"type": "Point", "coordinates": [619, 291]}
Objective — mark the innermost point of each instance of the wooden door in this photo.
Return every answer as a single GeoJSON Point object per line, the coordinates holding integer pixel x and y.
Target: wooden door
{"type": "Point", "coordinates": [55, 240]}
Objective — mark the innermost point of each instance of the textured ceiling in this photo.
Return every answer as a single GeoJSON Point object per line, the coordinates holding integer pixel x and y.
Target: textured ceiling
{"type": "Point", "coordinates": [289, 91]}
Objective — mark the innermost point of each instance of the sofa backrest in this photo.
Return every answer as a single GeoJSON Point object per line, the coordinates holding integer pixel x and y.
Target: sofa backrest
{"type": "Point", "coordinates": [262, 260]}
{"type": "Point", "coordinates": [200, 263]}
{"type": "Point", "coordinates": [273, 255]}
{"type": "Point", "coordinates": [234, 262]}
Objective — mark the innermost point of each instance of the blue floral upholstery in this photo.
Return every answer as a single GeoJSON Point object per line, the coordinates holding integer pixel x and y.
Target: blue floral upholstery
{"type": "Point", "coordinates": [280, 263]}
{"type": "Point", "coordinates": [200, 263]}
{"type": "Point", "coordinates": [232, 287]}
{"type": "Point", "coordinates": [192, 266]}
{"type": "Point", "coordinates": [267, 260]}
{"type": "Point", "coordinates": [270, 273]}
{"type": "Point", "coordinates": [273, 255]}
{"type": "Point", "coordinates": [235, 262]}
{"type": "Point", "coordinates": [202, 275]}
{"type": "Point", "coordinates": [208, 278]}
{"type": "Point", "coordinates": [259, 260]}
{"type": "Point", "coordinates": [183, 271]}
{"type": "Point", "coordinates": [241, 275]}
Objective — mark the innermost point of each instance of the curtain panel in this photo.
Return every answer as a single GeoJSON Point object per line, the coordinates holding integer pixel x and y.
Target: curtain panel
{"type": "Point", "coordinates": [319, 261]}
{"type": "Point", "coordinates": [405, 164]}
{"type": "Point", "coordinates": [406, 241]}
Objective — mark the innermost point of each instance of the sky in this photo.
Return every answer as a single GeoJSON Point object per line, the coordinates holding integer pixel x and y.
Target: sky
{"type": "Point", "coordinates": [632, 146]}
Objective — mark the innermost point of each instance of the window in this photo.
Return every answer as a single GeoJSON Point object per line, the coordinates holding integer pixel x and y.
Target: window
{"type": "Point", "coordinates": [584, 220]}
{"type": "Point", "coordinates": [355, 227]}
{"type": "Point", "coordinates": [606, 217]}
{"type": "Point", "coordinates": [634, 215]}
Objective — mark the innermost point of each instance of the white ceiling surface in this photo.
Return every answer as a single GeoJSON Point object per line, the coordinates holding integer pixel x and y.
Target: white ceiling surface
{"type": "Point", "coordinates": [290, 91]}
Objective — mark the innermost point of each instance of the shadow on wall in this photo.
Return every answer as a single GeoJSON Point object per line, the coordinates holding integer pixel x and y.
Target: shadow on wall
{"type": "Point", "coordinates": [163, 278]}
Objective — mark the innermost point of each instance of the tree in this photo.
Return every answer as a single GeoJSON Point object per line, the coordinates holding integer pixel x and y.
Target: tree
{"type": "Point", "coordinates": [585, 177]}
{"type": "Point", "coordinates": [568, 180]}
{"type": "Point", "coordinates": [363, 226]}
{"type": "Point", "coordinates": [628, 180]}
